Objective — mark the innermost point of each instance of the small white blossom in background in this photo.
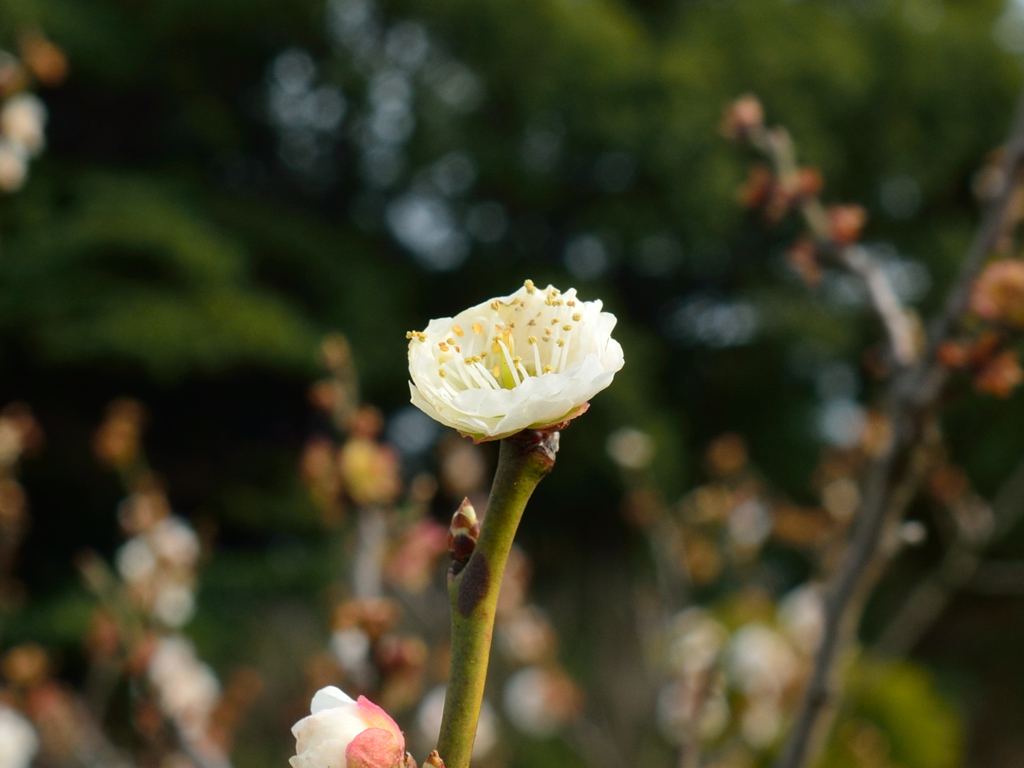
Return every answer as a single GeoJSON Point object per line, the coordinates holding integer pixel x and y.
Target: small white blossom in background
{"type": "Point", "coordinates": [529, 360]}
{"type": "Point", "coordinates": [18, 740]}
{"type": "Point", "coordinates": [761, 661]}
{"type": "Point", "coordinates": [22, 121]}
{"type": "Point", "coordinates": [158, 564]}
{"type": "Point", "coordinates": [630, 448]}
{"type": "Point", "coordinates": [174, 541]}
{"type": "Point", "coordinates": [341, 732]}
{"type": "Point", "coordinates": [801, 614]}
{"type": "Point", "coordinates": [541, 701]}
{"type": "Point", "coordinates": [351, 647]}
{"type": "Point", "coordinates": [750, 525]}
{"type": "Point", "coordinates": [13, 166]}
{"type": "Point", "coordinates": [428, 719]}
{"type": "Point", "coordinates": [761, 723]}
{"type": "Point", "coordinates": [683, 709]}
{"type": "Point", "coordinates": [697, 640]}
{"type": "Point", "coordinates": [187, 688]}
{"type": "Point", "coordinates": [174, 604]}
{"type": "Point", "coordinates": [525, 634]}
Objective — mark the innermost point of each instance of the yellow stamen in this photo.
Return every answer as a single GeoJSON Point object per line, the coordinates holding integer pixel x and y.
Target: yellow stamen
{"type": "Point", "coordinates": [478, 329]}
{"type": "Point", "coordinates": [496, 373]}
{"type": "Point", "coordinates": [530, 287]}
{"type": "Point", "coordinates": [458, 330]}
{"type": "Point", "coordinates": [566, 327]}
{"type": "Point", "coordinates": [577, 317]}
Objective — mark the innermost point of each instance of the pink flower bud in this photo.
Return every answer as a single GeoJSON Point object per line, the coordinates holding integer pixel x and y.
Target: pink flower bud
{"type": "Point", "coordinates": [342, 733]}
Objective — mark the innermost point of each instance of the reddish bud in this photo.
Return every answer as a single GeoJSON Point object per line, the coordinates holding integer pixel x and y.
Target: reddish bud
{"type": "Point", "coordinates": [25, 665]}
{"type": "Point", "coordinates": [727, 454]}
{"type": "Point", "coordinates": [809, 182]}
{"type": "Point", "coordinates": [1001, 375]}
{"type": "Point", "coordinates": [45, 60]}
{"type": "Point", "coordinates": [434, 761]}
{"type": "Point", "coordinates": [953, 354]}
{"type": "Point", "coordinates": [742, 117]}
{"type": "Point", "coordinates": [336, 354]}
{"type": "Point", "coordinates": [948, 484]}
{"type": "Point", "coordinates": [803, 258]}
{"type": "Point", "coordinates": [998, 293]}
{"type": "Point", "coordinates": [118, 440]}
{"type": "Point", "coordinates": [846, 223]}
{"type": "Point", "coordinates": [757, 189]}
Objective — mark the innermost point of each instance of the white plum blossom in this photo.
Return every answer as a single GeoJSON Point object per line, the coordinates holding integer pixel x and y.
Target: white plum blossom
{"type": "Point", "coordinates": [174, 604]}
{"type": "Point", "coordinates": [801, 615]}
{"type": "Point", "coordinates": [762, 662]}
{"type": "Point", "coordinates": [187, 688]}
{"type": "Point", "coordinates": [341, 732]}
{"type": "Point", "coordinates": [18, 740]}
{"type": "Point", "coordinates": [174, 541]}
{"type": "Point", "coordinates": [530, 360]}
{"type": "Point", "coordinates": [22, 120]}
{"type": "Point", "coordinates": [697, 641]}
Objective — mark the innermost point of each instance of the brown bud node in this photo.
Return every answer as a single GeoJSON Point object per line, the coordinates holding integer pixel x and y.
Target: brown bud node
{"type": "Point", "coordinates": [462, 535]}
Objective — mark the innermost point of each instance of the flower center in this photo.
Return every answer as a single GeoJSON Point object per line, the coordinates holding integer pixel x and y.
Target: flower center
{"type": "Point", "coordinates": [525, 337]}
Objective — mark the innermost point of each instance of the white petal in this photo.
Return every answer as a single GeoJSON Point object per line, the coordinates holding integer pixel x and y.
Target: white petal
{"type": "Point", "coordinates": [330, 697]}
{"type": "Point", "coordinates": [583, 365]}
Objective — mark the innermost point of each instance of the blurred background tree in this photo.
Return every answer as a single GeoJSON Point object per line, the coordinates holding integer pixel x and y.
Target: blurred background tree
{"type": "Point", "coordinates": [226, 182]}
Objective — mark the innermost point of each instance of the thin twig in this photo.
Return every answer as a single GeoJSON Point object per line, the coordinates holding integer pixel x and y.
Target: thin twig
{"type": "Point", "coordinates": [854, 259]}
{"type": "Point", "coordinates": [891, 481]}
{"type": "Point", "coordinates": [961, 568]}
{"type": "Point", "coordinates": [986, 237]}
{"type": "Point", "coordinates": [886, 303]}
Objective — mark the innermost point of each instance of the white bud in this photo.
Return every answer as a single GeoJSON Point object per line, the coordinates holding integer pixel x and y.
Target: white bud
{"type": "Point", "coordinates": [22, 119]}
{"type": "Point", "coordinates": [18, 740]}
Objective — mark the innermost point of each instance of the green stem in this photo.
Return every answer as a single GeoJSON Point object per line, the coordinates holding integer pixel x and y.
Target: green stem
{"type": "Point", "coordinates": [523, 460]}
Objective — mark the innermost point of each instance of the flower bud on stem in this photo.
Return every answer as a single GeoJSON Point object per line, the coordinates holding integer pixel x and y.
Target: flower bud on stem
{"type": "Point", "coordinates": [523, 460]}
{"type": "Point", "coordinates": [462, 536]}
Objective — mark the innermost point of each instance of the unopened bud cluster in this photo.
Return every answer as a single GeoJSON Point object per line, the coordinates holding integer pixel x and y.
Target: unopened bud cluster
{"type": "Point", "coordinates": [988, 354]}
{"type": "Point", "coordinates": [780, 188]}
